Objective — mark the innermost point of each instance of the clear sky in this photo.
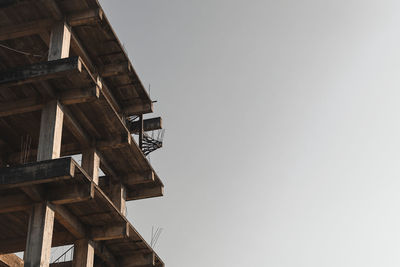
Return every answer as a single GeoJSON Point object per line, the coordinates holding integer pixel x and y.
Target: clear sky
{"type": "Point", "coordinates": [282, 119]}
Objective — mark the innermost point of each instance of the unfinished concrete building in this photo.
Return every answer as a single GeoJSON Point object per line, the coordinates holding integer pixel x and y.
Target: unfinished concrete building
{"type": "Point", "coordinates": [67, 87]}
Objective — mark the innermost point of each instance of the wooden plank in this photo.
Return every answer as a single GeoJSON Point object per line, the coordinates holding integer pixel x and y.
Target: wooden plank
{"type": "Point", "coordinates": [77, 96]}
{"type": "Point", "coordinates": [118, 142]}
{"type": "Point", "coordinates": [36, 172]}
{"type": "Point", "coordinates": [148, 125]}
{"type": "Point", "coordinates": [31, 104]}
{"type": "Point", "coordinates": [141, 193]}
{"type": "Point", "coordinates": [50, 131]}
{"type": "Point", "coordinates": [116, 231]}
{"type": "Point", "coordinates": [41, 71]}
{"type": "Point", "coordinates": [138, 178]}
{"type": "Point", "coordinates": [83, 253]}
{"type": "Point", "coordinates": [40, 233]}
{"type": "Point", "coordinates": [138, 260]}
{"type": "Point", "coordinates": [60, 40]}
{"type": "Point", "coordinates": [86, 17]}
{"type": "Point", "coordinates": [138, 108]}
{"type": "Point", "coordinates": [69, 221]}
{"type": "Point", "coordinates": [21, 106]}
{"type": "Point", "coordinates": [11, 260]}
{"type": "Point", "coordinates": [133, 179]}
{"type": "Point", "coordinates": [115, 69]}
{"type": "Point", "coordinates": [25, 29]}
{"type": "Point", "coordinates": [15, 202]}
{"type": "Point", "coordinates": [70, 193]}
{"type": "Point", "coordinates": [56, 195]}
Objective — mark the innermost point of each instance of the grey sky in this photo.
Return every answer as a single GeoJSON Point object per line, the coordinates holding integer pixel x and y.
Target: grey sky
{"type": "Point", "coordinates": [282, 146]}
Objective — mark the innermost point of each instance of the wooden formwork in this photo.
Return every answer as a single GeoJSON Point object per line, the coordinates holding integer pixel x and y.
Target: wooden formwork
{"type": "Point", "coordinates": [67, 87]}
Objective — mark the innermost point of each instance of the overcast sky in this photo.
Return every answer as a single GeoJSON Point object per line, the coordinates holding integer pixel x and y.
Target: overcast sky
{"type": "Point", "coordinates": [282, 144]}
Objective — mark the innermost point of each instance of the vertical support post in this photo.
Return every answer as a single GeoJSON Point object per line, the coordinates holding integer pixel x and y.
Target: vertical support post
{"type": "Point", "coordinates": [60, 40]}
{"type": "Point", "coordinates": [50, 131]}
{"type": "Point", "coordinates": [141, 131]}
{"type": "Point", "coordinates": [41, 221]}
{"type": "Point", "coordinates": [40, 233]}
{"type": "Point", "coordinates": [83, 253]}
{"type": "Point", "coordinates": [118, 197]}
{"type": "Point", "coordinates": [52, 115]}
{"type": "Point", "coordinates": [91, 163]}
